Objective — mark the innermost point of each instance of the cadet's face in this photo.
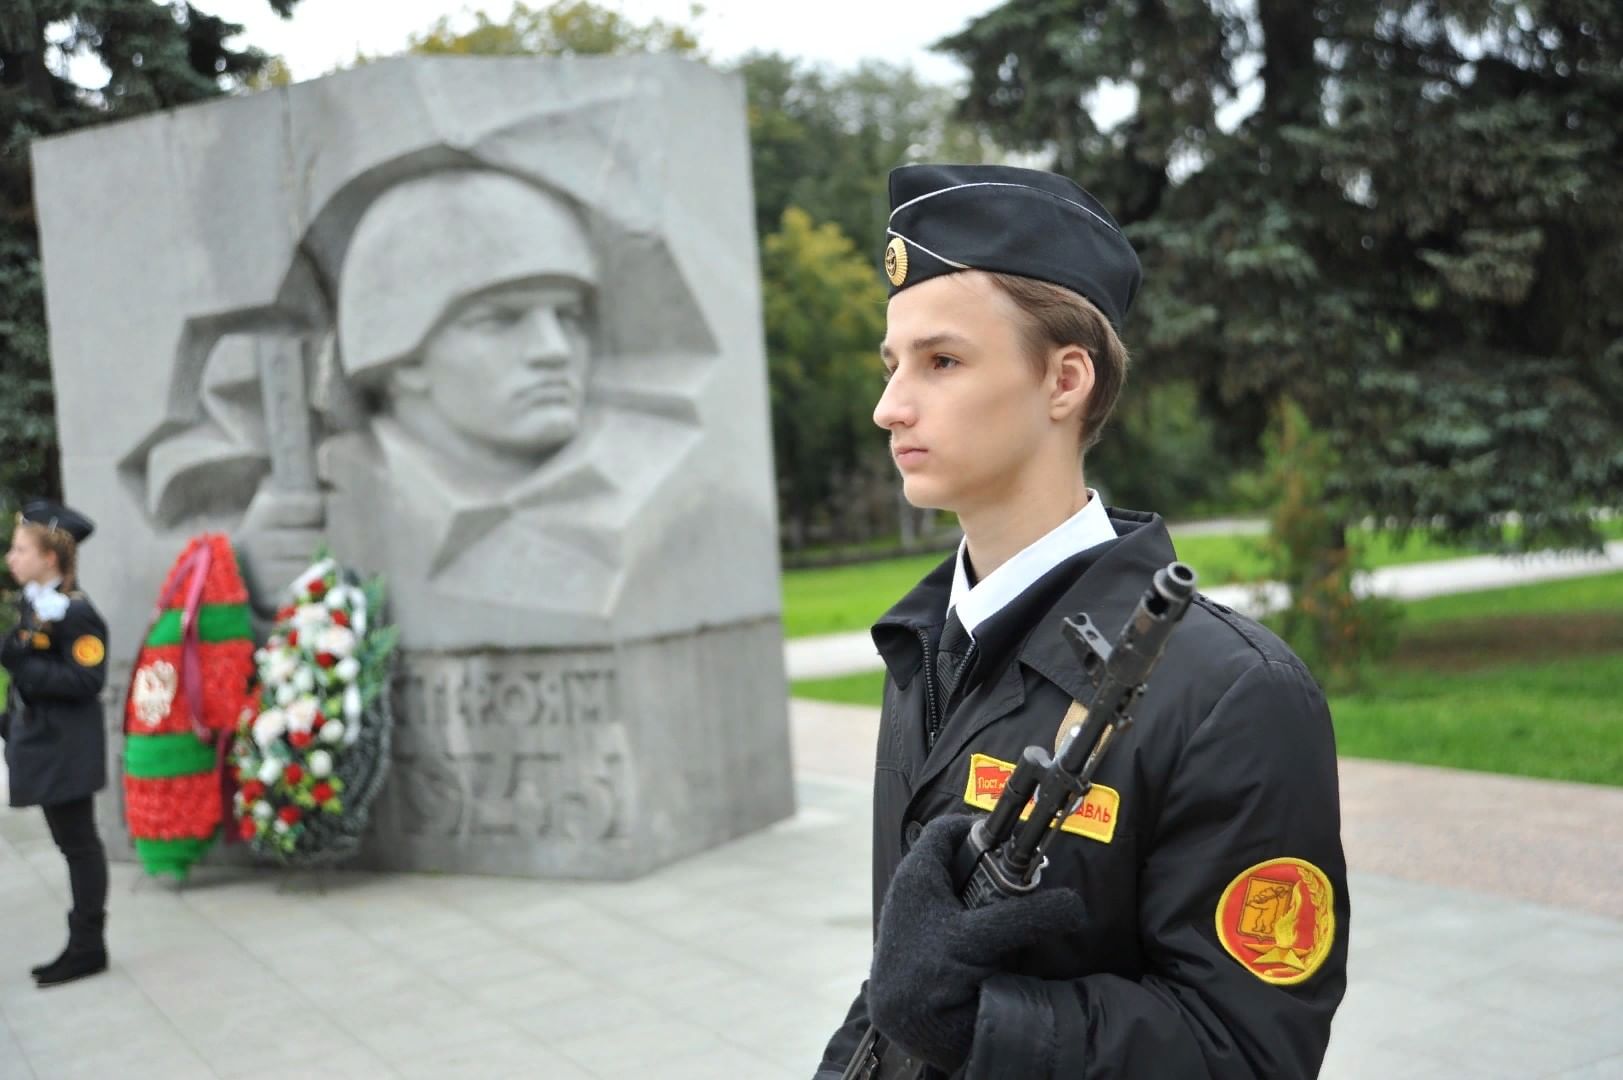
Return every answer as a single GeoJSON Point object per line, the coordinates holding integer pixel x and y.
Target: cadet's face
{"type": "Point", "coordinates": [509, 367]}
{"type": "Point", "coordinates": [965, 412]}
{"type": "Point", "coordinates": [27, 560]}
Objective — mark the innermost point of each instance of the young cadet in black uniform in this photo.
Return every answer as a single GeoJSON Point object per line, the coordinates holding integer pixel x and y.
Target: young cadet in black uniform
{"type": "Point", "coordinates": [1192, 920]}
{"type": "Point", "coordinates": [56, 756]}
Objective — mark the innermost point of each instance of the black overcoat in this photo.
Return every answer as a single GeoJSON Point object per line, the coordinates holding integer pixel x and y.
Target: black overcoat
{"type": "Point", "coordinates": [1228, 773]}
{"type": "Point", "coordinates": [56, 743]}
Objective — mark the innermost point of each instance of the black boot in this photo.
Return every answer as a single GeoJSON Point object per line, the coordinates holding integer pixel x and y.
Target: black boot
{"type": "Point", "coordinates": [40, 969]}
{"type": "Point", "coordinates": [85, 955]}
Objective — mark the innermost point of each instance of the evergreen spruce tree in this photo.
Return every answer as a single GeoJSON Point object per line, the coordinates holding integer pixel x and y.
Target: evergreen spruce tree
{"type": "Point", "coordinates": [1416, 234]}
{"type": "Point", "coordinates": [157, 54]}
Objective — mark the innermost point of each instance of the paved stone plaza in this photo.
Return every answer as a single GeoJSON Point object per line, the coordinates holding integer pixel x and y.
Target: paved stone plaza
{"type": "Point", "coordinates": [1487, 942]}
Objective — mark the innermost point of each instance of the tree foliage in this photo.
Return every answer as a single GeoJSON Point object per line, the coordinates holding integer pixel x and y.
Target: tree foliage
{"type": "Point", "coordinates": [562, 28]}
{"type": "Point", "coordinates": [155, 55]}
{"type": "Point", "coordinates": [825, 314]}
{"type": "Point", "coordinates": [1415, 233]}
{"type": "Point", "coordinates": [826, 141]}
{"type": "Point", "coordinates": [1335, 631]}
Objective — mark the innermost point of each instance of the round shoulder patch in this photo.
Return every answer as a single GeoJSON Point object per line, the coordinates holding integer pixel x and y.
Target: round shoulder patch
{"type": "Point", "coordinates": [1278, 920]}
{"type": "Point", "coordinates": [88, 651]}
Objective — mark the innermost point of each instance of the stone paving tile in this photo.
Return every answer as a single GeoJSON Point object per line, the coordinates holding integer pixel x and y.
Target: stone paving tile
{"type": "Point", "coordinates": [128, 1062]}
{"type": "Point", "coordinates": [535, 991]}
{"type": "Point", "coordinates": [724, 1061]}
{"type": "Point", "coordinates": [1609, 1069]}
{"type": "Point", "coordinates": [230, 1032]}
{"type": "Point", "coordinates": [514, 1057]}
{"type": "Point", "coordinates": [1365, 1062]}
{"type": "Point", "coordinates": [1498, 1044]}
{"type": "Point", "coordinates": [353, 1064]}
{"type": "Point", "coordinates": [636, 1049]}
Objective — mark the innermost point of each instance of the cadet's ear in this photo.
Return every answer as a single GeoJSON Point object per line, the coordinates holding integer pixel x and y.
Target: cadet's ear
{"type": "Point", "coordinates": [1072, 366]}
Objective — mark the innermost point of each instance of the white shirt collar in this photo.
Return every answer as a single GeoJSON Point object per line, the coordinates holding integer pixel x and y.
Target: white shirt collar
{"type": "Point", "coordinates": [1088, 527]}
{"type": "Point", "coordinates": [34, 588]}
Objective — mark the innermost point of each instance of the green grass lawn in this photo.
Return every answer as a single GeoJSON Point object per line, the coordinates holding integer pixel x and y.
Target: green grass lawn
{"type": "Point", "coordinates": [1527, 680]}
{"type": "Point", "coordinates": [829, 600]}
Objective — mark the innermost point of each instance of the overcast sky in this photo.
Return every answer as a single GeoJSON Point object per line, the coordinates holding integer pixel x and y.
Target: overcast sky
{"type": "Point", "coordinates": [324, 33]}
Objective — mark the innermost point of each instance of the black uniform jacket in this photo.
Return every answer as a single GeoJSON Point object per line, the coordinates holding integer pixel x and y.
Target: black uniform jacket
{"type": "Point", "coordinates": [56, 746]}
{"type": "Point", "coordinates": [1230, 765]}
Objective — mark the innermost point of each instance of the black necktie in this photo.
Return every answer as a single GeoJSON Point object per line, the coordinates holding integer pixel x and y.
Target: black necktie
{"type": "Point", "coordinates": [955, 655]}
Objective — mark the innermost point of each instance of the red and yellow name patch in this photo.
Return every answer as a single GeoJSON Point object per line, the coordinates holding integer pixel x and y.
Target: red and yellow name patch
{"type": "Point", "coordinates": [1095, 818]}
{"type": "Point", "coordinates": [88, 651]}
{"type": "Point", "coordinates": [1278, 920]}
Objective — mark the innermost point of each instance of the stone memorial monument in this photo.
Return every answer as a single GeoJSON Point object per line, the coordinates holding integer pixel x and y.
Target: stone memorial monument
{"type": "Point", "coordinates": [490, 328]}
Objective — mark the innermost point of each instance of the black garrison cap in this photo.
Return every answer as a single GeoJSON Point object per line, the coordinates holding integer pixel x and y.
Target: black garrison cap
{"type": "Point", "coordinates": [56, 516]}
{"type": "Point", "coordinates": [946, 218]}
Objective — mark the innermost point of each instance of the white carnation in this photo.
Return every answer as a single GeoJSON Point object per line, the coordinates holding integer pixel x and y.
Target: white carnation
{"type": "Point", "coordinates": [332, 731]}
{"type": "Point", "coordinates": [320, 763]}
{"type": "Point", "coordinates": [347, 669]}
{"type": "Point", "coordinates": [262, 810]}
{"type": "Point", "coordinates": [301, 715]}
{"type": "Point", "coordinates": [269, 726]}
{"type": "Point", "coordinates": [304, 680]}
{"type": "Point", "coordinates": [268, 772]}
{"type": "Point", "coordinates": [286, 693]}
{"type": "Point", "coordinates": [282, 666]}
{"type": "Point", "coordinates": [352, 703]}
{"type": "Point", "coordinates": [338, 640]}
{"type": "Point", "coordinates": [279, 825]}
{"type": "Point", "coordinates": [310, 618]}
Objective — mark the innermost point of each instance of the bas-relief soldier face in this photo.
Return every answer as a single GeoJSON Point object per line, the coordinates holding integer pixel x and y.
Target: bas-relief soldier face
{"type": "Point", "coordinates": [506, 368]}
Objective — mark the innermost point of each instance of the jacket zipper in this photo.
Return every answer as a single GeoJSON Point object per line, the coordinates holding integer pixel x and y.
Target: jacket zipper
{"type": "Point", "coordinates": [932, 726]}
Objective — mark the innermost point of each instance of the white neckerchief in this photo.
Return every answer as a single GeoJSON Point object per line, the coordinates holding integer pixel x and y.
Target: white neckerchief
{"type": "Point", "coordinates": [47, 603]}
{"type": "Point", "coordinates": [1088, 527]}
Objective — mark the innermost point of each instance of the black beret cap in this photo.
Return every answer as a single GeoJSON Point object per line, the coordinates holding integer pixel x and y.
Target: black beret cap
{"type": "Point", "coordinates": [946, 218]}
{"type": "Point", "coordinates": [56, 516]}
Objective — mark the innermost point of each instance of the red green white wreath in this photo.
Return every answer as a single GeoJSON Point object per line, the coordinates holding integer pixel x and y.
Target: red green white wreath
{"type": "Point", "coordinates": [308, 761]}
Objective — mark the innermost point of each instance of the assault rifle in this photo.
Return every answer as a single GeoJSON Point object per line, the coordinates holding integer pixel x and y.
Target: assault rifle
{"type": "Point", "coordinates": [1006, 851]}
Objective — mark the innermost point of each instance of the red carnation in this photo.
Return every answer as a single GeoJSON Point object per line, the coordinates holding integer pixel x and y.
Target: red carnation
{"type": "Point", "coordinates": [292, 774]}
{"type": "Point", "coordinates": [318, 721]}
{"type": "Point", "coordinates": [326, 659]}
{"type": "Point", "coordinates": [252, 790]}
{"type": "Point", "coordinates": [341, 618]}
{"type": "Point", "coordinates": [284, 614]}
{"type": "Point", "coordinates": [300, 739]}
{"type": "Point", "coordinates": [318, 589]}
{"type": "Point", "coordinates": [292, 639]}
{"type": "Point", "coordinates": [322, 792]}
{"type": "Point", "coordinates": [289, 814]}
{"type": "Point", "coordinates": [246, 829]}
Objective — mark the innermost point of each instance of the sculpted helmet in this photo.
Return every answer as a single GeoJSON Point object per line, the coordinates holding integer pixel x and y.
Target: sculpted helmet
{"type": "Point", "coordinates": [429, 242]}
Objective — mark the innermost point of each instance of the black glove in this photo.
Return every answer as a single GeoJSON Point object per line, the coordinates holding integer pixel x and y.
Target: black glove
{"type": "Point", "coordinates": [932, 953]}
